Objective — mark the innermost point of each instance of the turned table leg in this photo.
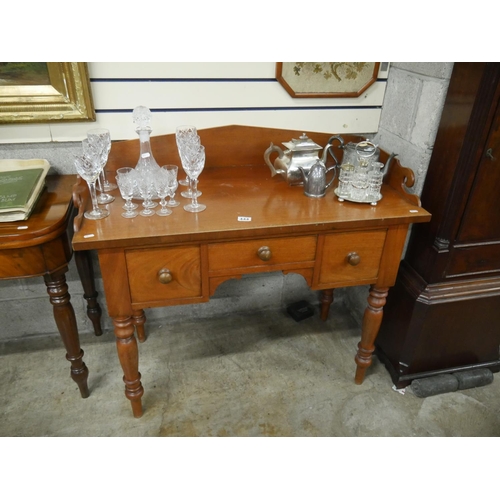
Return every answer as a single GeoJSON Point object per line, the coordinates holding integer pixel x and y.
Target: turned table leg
{"type": "Point", "coordinates": [371, 325]}
{"type": "Point", "coordinates": [128, 354]}
{"type": "Point", "coordinates": [139, 318]}
{"type": "Point", "coordinates": [83, 260]}
{"type": "Point", "coordinates": [64, 315]}
{"type": "Point", "coordinates": [326, 301]}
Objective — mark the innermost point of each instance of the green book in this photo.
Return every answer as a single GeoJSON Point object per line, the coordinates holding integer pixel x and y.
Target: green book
{"type": "Point", "coordinates": [21, 182]}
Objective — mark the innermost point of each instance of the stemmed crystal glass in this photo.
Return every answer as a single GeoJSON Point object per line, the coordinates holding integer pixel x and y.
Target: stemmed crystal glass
{"type": "Point", "coordinates": [193, 166]}
{"type": "Point", "coordinates": [89, 170]}
{"type": "Point", "coordinates": [189, 150]}
{"type": "Point", "coordinates": [173, 184]}
{"type": "Point", "coordinates": [146, 187]}
{"type": "Point", "coordinates": [101, 138]}
{"type": "Point", "coordinates": [185, 136]}
{"type": "Point", "coordinates": [162, 189]}
{"type": "Point", "coordinates": [94, 152]}
{"type": "Point", "coordinates": [126, 180]}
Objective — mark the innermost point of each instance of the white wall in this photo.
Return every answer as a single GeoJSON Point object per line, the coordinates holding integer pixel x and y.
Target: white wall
{"type": "Point", "coordinates": [206, 95]}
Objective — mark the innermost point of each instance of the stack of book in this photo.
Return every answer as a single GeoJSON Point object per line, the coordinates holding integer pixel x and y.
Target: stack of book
{"type": "Point", "coordinates": [21, 184]}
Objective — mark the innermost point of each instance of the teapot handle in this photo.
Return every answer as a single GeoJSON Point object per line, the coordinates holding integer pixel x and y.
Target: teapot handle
{"type": "Point", "coordinates": [330, 144]}
{"type": "Point", "coordinates": [267, 153]}
{"type": "Point", "coordinates": [334, 168]}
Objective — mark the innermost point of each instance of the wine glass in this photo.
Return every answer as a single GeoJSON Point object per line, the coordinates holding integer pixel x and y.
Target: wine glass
{"type": "Point", "coordinates": [193, 168]}
{"type": "Point", "coordinates": [173, 184]}
{"type": "Point", "coordinates": [94, 151]}
{"type": "Point", "coordinates": [126, 170]}
{"type": "Point", "coordinates": [184, 136]}
{"type": "Point", "coordinates": [145, 185]}
{"type": "Point", "coordinates": [102, 140]}
{"type": "Point", "coordinates": [162, 189]}
{"type": "Point", "coordinates": [89, 171]}
{"type": "Point", "coordinates": [189, 150]}
{"type": "Point", "coordinates": [126, 180]}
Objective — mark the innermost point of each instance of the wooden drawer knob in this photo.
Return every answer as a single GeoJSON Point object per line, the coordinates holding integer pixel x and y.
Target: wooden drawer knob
{"type": "Point", "coordinates": [353, 258]}
{"type": "Point", "coordinates": [165, 276]}
{"type": "Point", "coordinates": [264, 253]}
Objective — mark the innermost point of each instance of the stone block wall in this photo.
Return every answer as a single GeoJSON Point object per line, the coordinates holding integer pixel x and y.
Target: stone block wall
{"type": "Point", "coordinates": [410, 119]}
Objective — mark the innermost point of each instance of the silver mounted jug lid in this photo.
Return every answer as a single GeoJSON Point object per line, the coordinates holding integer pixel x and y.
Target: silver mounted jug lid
{"type": "Point", "coordinates": [302, 144]}
{"type": "Point", "coordinates": [366, 149]}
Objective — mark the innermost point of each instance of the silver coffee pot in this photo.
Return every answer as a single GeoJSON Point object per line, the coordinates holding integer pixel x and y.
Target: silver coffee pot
{"type": "Point", "coordinates": [315, 184]}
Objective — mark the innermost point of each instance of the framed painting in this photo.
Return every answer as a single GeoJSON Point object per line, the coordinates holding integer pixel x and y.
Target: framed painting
{"type": "Point", "coordinates": [326, 79]}
{"type": "Point", "coordinates": [42, 92]}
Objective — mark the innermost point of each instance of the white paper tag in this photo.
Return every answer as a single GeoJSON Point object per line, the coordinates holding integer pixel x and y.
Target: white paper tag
{"type": "Point", "coordinates": [401, 391]}
{"type": "Point", "coordinates": [244, 219]}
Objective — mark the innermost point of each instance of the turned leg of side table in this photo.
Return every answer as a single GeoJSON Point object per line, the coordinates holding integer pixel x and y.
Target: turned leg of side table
{"type": "Point", "coordinates": [326, 301]}
{"type": "Point", "coordinates": [128, 354]}
{"type": "Point", "coordinates": [139, 318]}
{"type": "Point", "coordinates": [83, 260]}
{"type": "Point", "coordinates": [64, 315]}
{"type": "Point", "coordinates": [372, 320]}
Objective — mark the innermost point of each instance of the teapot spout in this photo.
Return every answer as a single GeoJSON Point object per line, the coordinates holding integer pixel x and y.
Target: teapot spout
{"type": "Point", "coordinates": [387, 165]}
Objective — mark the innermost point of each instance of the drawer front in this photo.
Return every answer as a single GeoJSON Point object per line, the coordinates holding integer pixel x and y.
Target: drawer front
{"type": "Point", "coordinates": [22, 262]}
{"type": "Point", "coordinates": [164, 274]}
{"type": "Point", "coordinates": [270, 252]}
{"type": "Point", "coordinates": [350, 257]}
{"type": "Point", "coordinates": [474, 259]}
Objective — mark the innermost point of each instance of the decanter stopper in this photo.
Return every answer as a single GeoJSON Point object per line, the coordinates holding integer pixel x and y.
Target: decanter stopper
{"type": "Point", "coordinates": [142, 118]}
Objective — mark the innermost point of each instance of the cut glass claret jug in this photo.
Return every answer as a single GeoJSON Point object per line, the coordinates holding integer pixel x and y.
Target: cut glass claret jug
{"type": "Point", "coordinates": [147, 163]}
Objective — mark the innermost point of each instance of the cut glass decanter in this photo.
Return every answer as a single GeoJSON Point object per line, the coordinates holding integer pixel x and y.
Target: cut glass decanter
{"type": "Point", "coordinates": [147, 163]}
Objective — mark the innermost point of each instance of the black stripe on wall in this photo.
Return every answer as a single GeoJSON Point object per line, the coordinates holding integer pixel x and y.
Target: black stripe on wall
{"type": "Point", "coordinates": [184, 110]}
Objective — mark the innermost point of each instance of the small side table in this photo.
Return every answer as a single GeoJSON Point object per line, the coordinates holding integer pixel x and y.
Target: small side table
{"type": "Point", "coordinates": [41, 246]}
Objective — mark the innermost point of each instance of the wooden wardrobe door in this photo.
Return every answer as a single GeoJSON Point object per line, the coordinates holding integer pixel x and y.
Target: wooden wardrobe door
{"type": "Point", "coordinates": [481, 221]}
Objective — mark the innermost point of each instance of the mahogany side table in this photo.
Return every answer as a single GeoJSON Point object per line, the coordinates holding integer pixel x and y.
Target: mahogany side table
{"type": "Point", "coordinates": [41, 246]}
{"type": "Point", "coordinates": [182, 260]}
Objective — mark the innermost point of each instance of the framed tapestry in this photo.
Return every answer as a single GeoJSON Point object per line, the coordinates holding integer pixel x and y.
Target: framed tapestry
{"type": "Point", "coordinates": [42, 92]}
{"type": "Point", "coordinates": [326, 79]}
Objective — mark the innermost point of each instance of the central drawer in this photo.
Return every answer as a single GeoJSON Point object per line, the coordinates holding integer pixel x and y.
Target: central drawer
{"type": "Point", "coordinates": [262, 254]}
{"type": "Point", "coordinates": [163, 274]}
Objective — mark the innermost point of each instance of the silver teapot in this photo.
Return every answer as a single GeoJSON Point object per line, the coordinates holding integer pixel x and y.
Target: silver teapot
{"type": "Point", "coordinates": [315, 184]}
{"type": "Point", "coordinates": [298, 158]}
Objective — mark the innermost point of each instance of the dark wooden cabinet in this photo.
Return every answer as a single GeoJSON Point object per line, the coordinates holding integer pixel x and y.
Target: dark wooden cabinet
{"type": "Point", "coordinates": [443, 314]}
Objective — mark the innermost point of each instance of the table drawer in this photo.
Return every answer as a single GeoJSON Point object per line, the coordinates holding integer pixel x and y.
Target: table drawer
{"type": "Point", "coordinates": [349, 257]}
{"type": "Point", "coordinates": [269, 252]}
{"type": "Point", "coordinates": [164, 274]}
{"type": "Point", "coordinates": [22, 262]}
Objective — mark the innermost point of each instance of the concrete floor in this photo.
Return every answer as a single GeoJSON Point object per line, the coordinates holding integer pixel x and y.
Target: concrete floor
{"type": "Point", "coordinates": [237, 375]}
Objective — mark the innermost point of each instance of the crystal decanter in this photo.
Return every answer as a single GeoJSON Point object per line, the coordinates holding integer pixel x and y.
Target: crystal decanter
{"type": "Point", "coordinates": [142, 118]}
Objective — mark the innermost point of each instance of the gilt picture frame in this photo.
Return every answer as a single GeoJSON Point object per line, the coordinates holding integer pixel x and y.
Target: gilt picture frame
{"type": "Point", "coordinates": [326, 79]}
{"type": "Point", "coordinates": [59, 92]}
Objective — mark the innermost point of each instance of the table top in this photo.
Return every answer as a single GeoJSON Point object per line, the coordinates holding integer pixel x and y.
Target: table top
{"type": "Point", "coordinates": [49, 218]}
{"type": "Point", "coordinates": [275, 208]}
